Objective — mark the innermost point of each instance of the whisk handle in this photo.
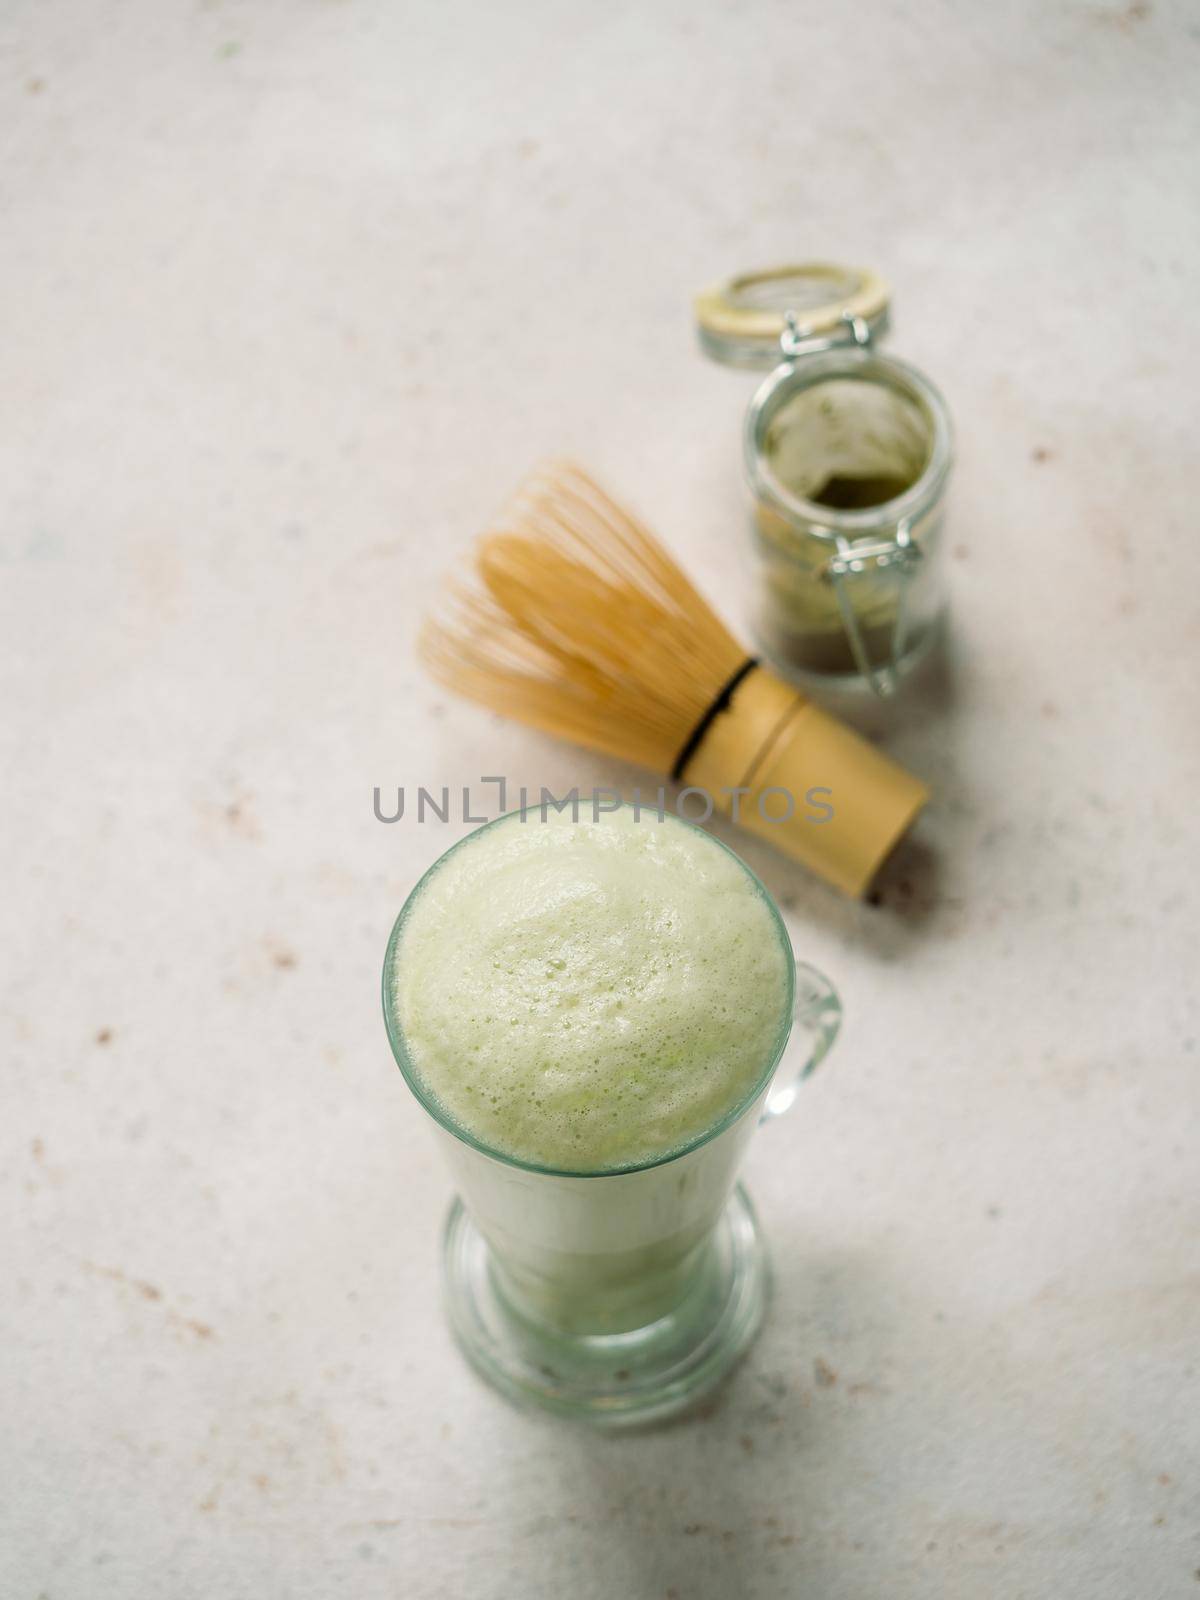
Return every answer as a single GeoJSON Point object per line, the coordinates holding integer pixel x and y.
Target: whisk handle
{"type": "Point", "coordinates": [805, 782]}
{"type": "Point", "coordinates": [721, 702]}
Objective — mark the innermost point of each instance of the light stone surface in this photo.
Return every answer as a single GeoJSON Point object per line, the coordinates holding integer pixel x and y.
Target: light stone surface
{"type": "Point", "coordinates": [292, 294]}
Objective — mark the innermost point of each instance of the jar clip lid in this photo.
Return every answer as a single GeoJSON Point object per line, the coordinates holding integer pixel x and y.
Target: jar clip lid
{"type": "Point", "coordinates": [742, 321]}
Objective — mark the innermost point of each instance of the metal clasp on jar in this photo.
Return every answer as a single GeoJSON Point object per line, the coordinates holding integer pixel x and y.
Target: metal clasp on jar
{"type": "Point", "coordinates": [799, 340]}
{"type": "Point", "coordinates": [840, 570]}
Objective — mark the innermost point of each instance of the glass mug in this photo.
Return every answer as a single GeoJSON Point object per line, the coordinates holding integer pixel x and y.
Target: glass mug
{"type": "Point", "coordinates": [620, 1295]}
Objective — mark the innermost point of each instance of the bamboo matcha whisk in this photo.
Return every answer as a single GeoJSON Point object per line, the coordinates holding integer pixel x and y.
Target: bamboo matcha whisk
{"type": "Point", "coordinates": [576, 620]}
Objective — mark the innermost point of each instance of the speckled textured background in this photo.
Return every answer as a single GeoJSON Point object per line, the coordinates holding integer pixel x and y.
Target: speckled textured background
{"type": "Point", "coordinates": [291, 295]}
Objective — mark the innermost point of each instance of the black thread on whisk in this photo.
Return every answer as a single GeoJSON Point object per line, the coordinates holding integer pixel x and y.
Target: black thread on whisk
{"type": "Point", "coordinates": [721, 703]}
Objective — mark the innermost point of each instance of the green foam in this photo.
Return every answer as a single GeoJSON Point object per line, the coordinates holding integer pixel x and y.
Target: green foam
{"type": "Point", "coordinates": [593, 994]}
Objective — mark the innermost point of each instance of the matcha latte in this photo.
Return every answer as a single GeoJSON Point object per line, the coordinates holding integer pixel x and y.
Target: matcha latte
{"type": "Point", "coordinates": [591, 995]}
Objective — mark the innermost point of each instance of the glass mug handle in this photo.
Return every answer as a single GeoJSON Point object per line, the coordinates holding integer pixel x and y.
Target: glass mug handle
{"type": "Point", "coordinates": [818, 1015]}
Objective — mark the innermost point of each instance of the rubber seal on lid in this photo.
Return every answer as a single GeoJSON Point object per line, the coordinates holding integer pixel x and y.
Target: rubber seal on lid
{"type": "Point", "coordinates": [741, 320]}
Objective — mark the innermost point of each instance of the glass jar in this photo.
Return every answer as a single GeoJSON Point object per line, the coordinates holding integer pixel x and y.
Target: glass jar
{"type": "Point", "coordinates": [847, 454]}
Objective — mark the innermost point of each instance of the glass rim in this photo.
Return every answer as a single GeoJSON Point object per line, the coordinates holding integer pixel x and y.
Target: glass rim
{"type": "Point", "coordinates": [426, 1099]}
{"type": "Point", "coordinates": [850, 362]}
